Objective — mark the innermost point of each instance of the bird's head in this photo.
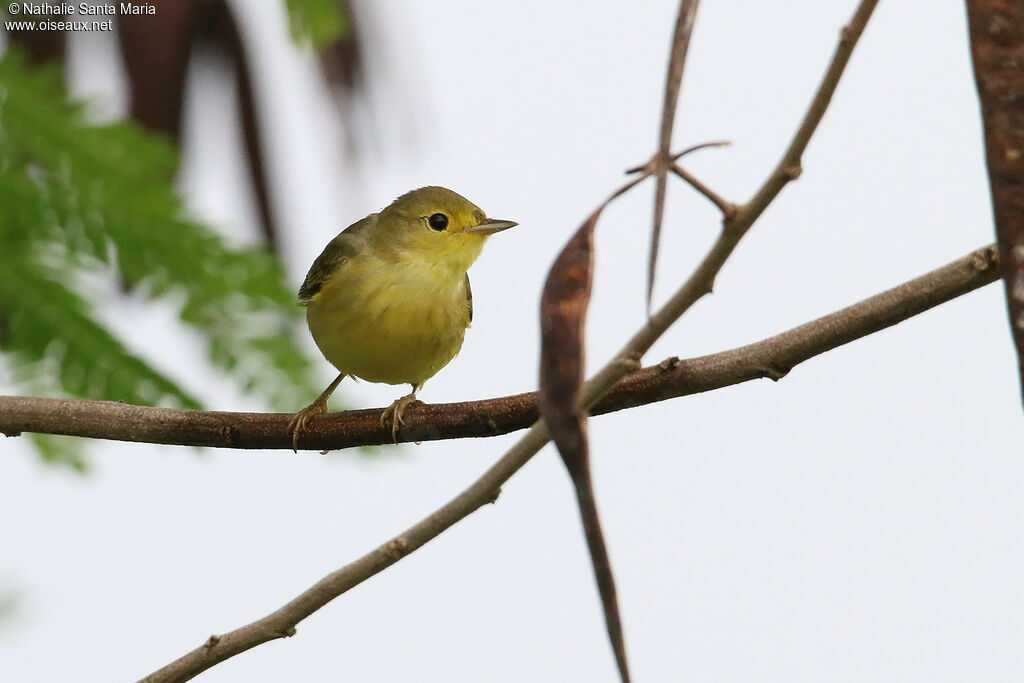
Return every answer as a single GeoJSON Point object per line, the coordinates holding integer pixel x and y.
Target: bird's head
{"type": "Point", "coordinates": [438, 224]}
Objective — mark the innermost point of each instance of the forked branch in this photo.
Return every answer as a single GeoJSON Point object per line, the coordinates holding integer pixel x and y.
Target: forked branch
{"type": "Point", "coordinates": [773, 357]}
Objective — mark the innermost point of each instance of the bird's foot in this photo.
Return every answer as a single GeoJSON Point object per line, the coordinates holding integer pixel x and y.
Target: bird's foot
{"type": "Point", "coordinates": [394, 413]}
{"type": "Point", "coordinates": [301, 420]}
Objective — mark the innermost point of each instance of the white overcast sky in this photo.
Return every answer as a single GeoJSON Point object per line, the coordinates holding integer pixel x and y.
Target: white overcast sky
{"type": "Point", "coordinates": [861, 520]}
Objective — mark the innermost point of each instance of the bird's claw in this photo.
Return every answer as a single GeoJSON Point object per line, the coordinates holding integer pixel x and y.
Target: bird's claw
{"type": "Point", "coordinates": [394, 413]}
{"type": "Point", "coordinates": [301, 420]}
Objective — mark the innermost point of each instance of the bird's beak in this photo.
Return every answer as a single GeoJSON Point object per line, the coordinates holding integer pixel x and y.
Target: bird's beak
{"type": "Point", "coordinates": [491, 226]}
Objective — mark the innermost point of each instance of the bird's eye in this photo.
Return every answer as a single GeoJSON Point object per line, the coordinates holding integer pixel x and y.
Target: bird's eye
{"type": "Point", "coordinates": [438, 221]}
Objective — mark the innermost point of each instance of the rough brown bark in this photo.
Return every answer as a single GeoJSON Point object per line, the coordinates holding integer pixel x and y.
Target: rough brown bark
{"type": "Point", "coordinates": [997, 47]}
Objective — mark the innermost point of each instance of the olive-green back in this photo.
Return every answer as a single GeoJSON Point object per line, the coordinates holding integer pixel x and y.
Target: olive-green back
{"type": "Point", "coordinates": [339, 250]}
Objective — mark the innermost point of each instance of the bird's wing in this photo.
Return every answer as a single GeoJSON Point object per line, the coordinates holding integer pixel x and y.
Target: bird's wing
{"type": "Point", "coordinates": [469, 298]}
{"type": "Point", "coordinates": [337, 252]}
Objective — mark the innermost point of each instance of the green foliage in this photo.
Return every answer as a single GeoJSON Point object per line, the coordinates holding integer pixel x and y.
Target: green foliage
{"type": "Point", "coordinates": [79, 198]}
{"type": "Point", "coordinates": [320, 22]}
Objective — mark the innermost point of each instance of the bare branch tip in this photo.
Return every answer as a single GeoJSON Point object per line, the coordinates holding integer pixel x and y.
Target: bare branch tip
{"type": "Point", "coordinates": [696, 148]}
{"type": "Point", "coordinates": [660, 164]}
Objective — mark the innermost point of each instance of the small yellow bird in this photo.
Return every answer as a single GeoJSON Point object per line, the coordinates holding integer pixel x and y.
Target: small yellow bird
{"type": "Point", "coordinates": [389, 300]}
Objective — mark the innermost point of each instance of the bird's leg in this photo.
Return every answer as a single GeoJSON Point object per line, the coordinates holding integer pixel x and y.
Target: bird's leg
{"type": "Point", "coordinates": [317, 407]}
{"type": "Point", "coordinates": [395, 410]}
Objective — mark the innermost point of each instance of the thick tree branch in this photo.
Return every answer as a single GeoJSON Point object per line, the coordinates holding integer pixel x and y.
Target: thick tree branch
{"type": "Point", "coordinates": [772, 357]}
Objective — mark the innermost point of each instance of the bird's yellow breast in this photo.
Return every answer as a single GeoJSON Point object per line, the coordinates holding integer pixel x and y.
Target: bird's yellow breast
{"type": "Point", "coordinates": [397, 323]}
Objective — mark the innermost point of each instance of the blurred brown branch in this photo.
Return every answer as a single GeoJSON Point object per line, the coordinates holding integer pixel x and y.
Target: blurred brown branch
{"type": "Point", "coordinates": [997, 49]}
{"type": "Point", "coordinates": [156, 51]}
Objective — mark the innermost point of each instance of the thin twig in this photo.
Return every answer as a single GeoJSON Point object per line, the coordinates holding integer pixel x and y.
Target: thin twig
{"type": "Point", "coordinates": [727, 208]}
{"type": "Point", "coordinates": [650, 167]}
{"type": "Point", "coordinates": [703, 277]}
{"type": "Point", "coordinates": [673, 81]}
{"type": "Point", "coordinates": [773, 357]}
